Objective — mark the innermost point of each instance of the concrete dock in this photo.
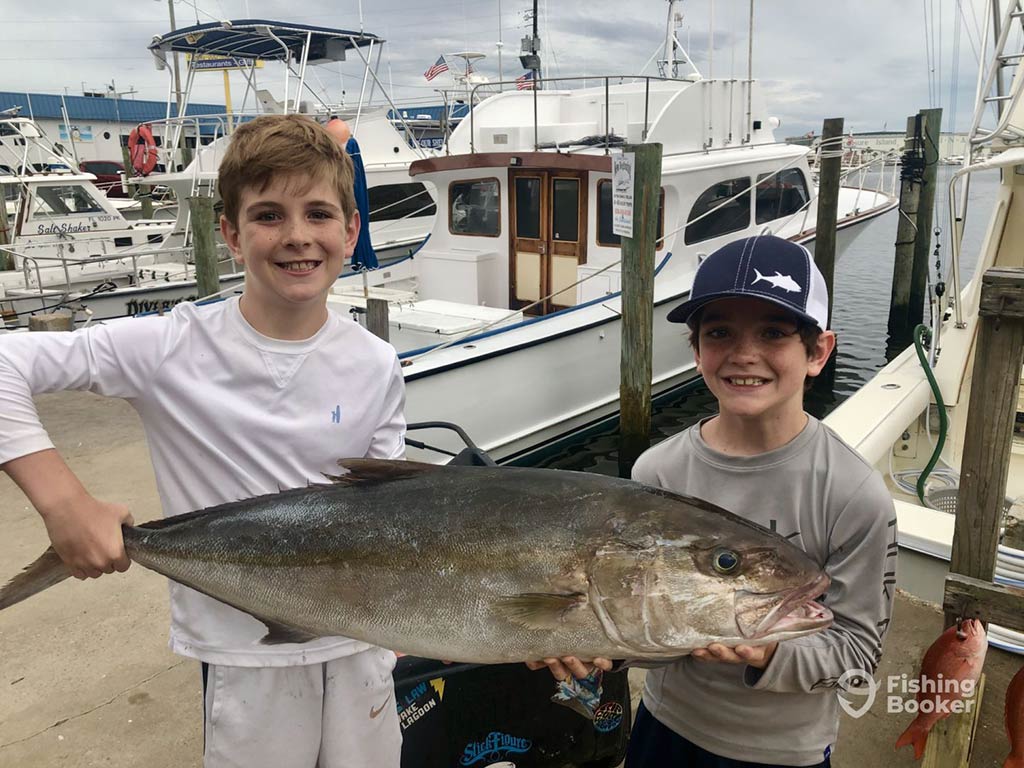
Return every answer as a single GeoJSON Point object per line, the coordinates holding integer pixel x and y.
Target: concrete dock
{"type": "Point", "coordinates": [87, 679]}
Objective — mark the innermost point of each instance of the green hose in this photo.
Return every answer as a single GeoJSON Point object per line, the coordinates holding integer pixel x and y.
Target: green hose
{"type": "Point", "coordinates": [919, 331]}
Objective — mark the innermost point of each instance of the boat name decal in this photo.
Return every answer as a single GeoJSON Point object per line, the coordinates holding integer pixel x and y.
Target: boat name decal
{"type": "Point", "coordinates": [62, 229]}
{"type": "Point", "coordinates": [138, 306]}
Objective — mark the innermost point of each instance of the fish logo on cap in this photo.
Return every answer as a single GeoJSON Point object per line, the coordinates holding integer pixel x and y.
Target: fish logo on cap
{"type": "Point", "coordinates": [779, 280]}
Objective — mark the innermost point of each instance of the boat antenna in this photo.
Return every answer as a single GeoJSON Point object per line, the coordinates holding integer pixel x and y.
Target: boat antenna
{"type": "Point", "coordinates": [750, 72]}
{"type": "Point", "coordinates": [360, 17]}
{"type": "Point", "coordinates": [501, 74]}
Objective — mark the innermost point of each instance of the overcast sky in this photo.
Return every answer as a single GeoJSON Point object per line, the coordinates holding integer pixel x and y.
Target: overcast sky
{"type": "Point", "coordinates": [865, 60]}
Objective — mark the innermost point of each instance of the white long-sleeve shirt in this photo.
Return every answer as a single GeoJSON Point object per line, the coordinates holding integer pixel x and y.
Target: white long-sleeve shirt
{"type": "Point", "coordinates": [228, 414]}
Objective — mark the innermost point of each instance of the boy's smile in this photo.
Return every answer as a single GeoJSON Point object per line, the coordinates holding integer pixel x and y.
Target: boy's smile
{"type": "Point", "coordinates": [754, 362]}
{"type": "Point", "coordinates": [293, 239]}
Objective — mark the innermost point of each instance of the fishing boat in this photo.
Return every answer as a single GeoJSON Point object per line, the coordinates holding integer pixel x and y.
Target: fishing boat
{"type": "Point", "coordinates": [61, 237]}
{"type": "Point", "coordinates": [508, 319]}
{"type": "Point", "coordinates": [894, 420]}
{"type": "Point", "coordinates": [401, 209]}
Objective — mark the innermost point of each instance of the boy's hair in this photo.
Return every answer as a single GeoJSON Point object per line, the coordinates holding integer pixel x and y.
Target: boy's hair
{"type": "Point", "coordinates": [276, 145]}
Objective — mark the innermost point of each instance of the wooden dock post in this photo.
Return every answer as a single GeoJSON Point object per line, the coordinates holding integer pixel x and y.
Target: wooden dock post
{"type": "Point", "coordinates": [204, 249]}
{"type": "Point", "coordinates": [825, 226]}
{"type": "Point", "coordinates": [6, 262]}
{"type": "Point", "coordinates": [377, 318]}
{"type": "Point", "coordinates": [931, 124]}
{"type": "Point", "coordinates": [970, 592]}
{"type": "Point", "coordinates": [638, 307]}
{"type": "Point", "coordinates": [911, 177]}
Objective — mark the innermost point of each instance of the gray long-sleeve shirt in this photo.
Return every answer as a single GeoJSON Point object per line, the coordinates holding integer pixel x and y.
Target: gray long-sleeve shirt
{"type": "Point", "coordinates": [821, 495]}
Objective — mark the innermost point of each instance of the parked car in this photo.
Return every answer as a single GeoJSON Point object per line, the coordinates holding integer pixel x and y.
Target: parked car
{"type": "Point", "coordinates": [108, 175]}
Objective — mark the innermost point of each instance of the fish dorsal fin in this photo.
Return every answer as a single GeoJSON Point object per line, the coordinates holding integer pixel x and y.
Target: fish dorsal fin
{"type": "Point", "coordinates": [539, 610]}
{"type": "Point", "coordinates": [366, 471]}
{"type": "Point", "coordinates": [278, 633]}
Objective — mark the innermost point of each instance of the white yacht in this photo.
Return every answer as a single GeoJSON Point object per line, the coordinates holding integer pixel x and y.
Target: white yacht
{"type": "Point", "coordinates": [507, 320]}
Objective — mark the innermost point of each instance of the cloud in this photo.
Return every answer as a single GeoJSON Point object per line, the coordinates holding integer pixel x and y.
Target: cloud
{"type": "Point", "coordinates": [866, 62]}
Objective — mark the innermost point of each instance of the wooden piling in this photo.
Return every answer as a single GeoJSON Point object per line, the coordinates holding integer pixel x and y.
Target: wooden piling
{"type": "Point", "coordinates": [825, 226]}
{"type": "Point", "coordinates": [51, 321]}
{"type": "Point", "coordinates": [638, 307]}
{"type": "Point", "coordinates": [204, 249]}
{"type": "Point", "coordinates": [377, 318]}
{"type": "Point", "coordinates": [906, 231]}
{"type": "Point", "coordinates": [931, 125]}
{"type": "Point", "coordinates": [828, 202]}
{"type": "Point", "coordinates": [951, 739]}
{"type": "Point", "coordinates": [970, 593]}
{"type": "Point", "coordinates": [6, 261]}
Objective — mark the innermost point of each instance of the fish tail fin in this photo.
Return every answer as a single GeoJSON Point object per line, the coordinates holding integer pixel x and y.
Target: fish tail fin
{"type": "Point", "coordinates": [47, 570]}
{"type": "Point", "coordinates": [759, 276]}
{"type": "Point", "coordinates": [917, 735]}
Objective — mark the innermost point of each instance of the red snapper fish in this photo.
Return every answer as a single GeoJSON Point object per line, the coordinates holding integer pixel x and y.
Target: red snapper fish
{"type": "Point", "coordinates": [949, 671]}
{"type": "Point", "coordinates": [1015, 720]}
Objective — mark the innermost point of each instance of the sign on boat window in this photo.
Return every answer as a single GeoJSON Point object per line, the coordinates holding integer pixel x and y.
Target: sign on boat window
{"type": "Point", "coordinates": [474, 207]}
{"type": "Point", "coordinates": [65, 200]}
{"type": "Point", "coordinates": [722, 208]}
{"type": "Point", "coordinates": [780, 194]}
{"type": "Point", "coordinates": [605, 235]}
{"type": "Point", "coordinates": [389, 202]}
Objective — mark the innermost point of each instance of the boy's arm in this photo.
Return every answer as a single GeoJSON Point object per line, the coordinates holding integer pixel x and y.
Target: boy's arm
{"type": "Point", "coordinates": [119, 359]}
{"type": "Point", "coordinates": [388, 441]}
{"type": "Point", "coordinates": [84, 531]}
{"type": "Point", "coordinates": [862, 567]}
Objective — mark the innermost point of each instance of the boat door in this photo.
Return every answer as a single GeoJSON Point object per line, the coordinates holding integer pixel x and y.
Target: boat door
{"type": "Point", "coordinates": [548, 237]}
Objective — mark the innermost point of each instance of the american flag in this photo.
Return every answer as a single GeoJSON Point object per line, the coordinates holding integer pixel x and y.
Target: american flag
{"type": "Point", "coordinates": [525, 81]}
{"type": "Point", "coordinates": [436, 69]}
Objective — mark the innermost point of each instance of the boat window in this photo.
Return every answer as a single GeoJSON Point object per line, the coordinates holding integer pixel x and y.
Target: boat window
{"type": "Point", "coordinates": [400, 201]}
{"type": "Point", "coordinates": [64, 201]}
{"type": "Point", "coordinates": [102, 166]}
{"type": "Point", "coordinates": [528, 207]}
{"type": "Point", "coordinates": [780, 194]}
{"type": "Point", "coordinates": [727, 205]}
{"type": "Point", "coordinates": [565, 215]}
{"type": "Point", "coordinates": [474, 207]}
{"type": "Point", "coordinates": [605, 235]}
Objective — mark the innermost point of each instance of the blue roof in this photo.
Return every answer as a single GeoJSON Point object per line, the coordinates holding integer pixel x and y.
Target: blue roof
{"type": "Point", "coordinates": [48, 106]}
{"type": "Point", "coordinates": [249, 38]}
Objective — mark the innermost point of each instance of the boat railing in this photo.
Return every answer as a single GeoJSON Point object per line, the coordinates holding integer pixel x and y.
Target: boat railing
{"type": "Point", "coordinates": [1005, 96]}
{"type": "Point", "coordinates": [155, 261]}
{"type": "Point", "coordinates": [607, 82]}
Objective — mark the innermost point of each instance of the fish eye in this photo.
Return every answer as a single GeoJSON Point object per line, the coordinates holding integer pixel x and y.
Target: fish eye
{"type": "Point", "coordinates": [725, 561]}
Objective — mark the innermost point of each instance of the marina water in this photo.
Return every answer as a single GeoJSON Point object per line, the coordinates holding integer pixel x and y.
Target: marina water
{"type": "Point", "coordinates": [863, 284]}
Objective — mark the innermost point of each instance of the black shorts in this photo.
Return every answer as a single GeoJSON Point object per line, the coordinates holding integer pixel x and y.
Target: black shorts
{"type": "Point", "coordinates": [654, 745]}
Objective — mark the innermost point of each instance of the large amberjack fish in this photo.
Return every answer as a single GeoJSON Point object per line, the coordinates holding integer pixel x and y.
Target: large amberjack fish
{"type": "Point", "coordinates": [486, 565]}
{"type": "Point", "coordinates": [949, 671]}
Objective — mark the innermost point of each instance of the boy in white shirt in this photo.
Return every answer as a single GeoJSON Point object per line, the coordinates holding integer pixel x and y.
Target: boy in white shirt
{"type": "Point", "coordinates": [238, 399]}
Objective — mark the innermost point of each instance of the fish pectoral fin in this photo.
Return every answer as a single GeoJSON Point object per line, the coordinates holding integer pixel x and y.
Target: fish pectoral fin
{"type": "Point", "coordinates": [539, 610]}
{"type": "Point", "coordinates": [365, 471]}
{"type": "Point", "coordinates": [278, 633]}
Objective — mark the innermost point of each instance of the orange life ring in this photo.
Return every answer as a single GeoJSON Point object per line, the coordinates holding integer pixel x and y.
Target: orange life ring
{"type": "Point", "coordinates": [142, 149]}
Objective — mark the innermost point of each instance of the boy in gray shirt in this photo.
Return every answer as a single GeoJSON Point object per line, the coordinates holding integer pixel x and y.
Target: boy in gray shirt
{"type": "Point", "coordinates": [757, 313]}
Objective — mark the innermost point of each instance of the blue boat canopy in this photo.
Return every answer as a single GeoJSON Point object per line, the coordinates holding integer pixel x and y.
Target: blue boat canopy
{"type": "Point", "coordinates": [261, 39]}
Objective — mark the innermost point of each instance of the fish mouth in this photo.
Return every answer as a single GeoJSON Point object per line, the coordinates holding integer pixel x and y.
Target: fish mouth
{"type": "Point", "coordinates": [758, 615]}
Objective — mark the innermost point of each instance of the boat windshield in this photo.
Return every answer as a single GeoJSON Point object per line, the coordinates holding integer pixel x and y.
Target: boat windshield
{"type": "Point", "coordinates": [64, 200]}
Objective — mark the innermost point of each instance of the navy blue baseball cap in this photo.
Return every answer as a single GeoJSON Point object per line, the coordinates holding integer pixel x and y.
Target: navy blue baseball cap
{"type": "Point", "coordinates": [762, 267]}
